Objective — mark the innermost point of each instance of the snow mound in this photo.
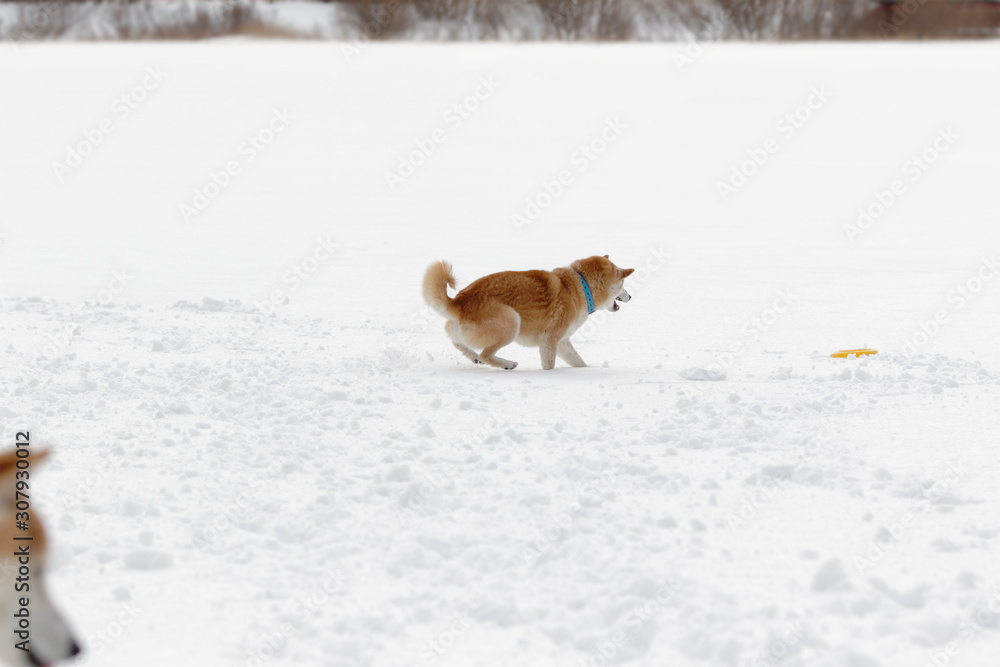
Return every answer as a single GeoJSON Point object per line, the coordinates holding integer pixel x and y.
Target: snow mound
{"type": "Point", "coordinates": [702, 374]}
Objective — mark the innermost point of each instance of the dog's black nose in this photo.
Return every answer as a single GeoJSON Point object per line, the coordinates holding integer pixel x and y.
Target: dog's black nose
{"type": "Point", "coordinates": [74, 649]}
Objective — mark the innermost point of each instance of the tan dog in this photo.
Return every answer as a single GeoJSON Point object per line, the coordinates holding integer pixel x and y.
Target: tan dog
{"type": "Point", "coordinates": [535, 308]}
{"type": "Point", "coordinates": [48, 638]}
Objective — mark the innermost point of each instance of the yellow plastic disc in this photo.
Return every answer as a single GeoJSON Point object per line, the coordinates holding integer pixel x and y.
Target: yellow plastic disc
{"type": "Point", "coordinates": [857, 353]}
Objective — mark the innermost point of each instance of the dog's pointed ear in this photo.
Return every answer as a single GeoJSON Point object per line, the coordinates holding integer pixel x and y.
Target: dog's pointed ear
{"type": "Point", "coordinates": [8, 460]}
{"type": "Point", "coordinates": [627, 272]}
{"type": "Point", "coordinates": [606, 257]}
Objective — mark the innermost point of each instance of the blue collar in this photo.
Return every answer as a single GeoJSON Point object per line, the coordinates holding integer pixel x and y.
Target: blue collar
{"type": "Point", "coordinates": [586, 293]}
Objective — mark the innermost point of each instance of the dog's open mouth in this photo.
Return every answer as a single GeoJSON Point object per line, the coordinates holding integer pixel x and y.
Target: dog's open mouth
{"type": "Point", "coordinates": [34, 660]}
{"type": "Point", "coordinates": [624, 297]}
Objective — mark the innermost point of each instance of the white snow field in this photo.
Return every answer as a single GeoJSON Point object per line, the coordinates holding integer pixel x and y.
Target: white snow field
{"type": "Point", "coordinates": [333, 484]}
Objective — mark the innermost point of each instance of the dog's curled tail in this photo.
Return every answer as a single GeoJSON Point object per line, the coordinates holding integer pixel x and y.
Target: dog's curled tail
{"type": "Point", "coordinates": [437, 280]}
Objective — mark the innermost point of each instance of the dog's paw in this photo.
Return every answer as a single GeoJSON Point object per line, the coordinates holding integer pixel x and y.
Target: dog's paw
{"type": "Point", "coordinates": [509, 365]}
{"type": "Point", "coordinates": [477, 361]}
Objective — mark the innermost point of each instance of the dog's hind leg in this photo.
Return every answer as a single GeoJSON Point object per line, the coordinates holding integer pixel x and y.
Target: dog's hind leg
{"type": "Point", "coordinates": [452, 329]}
{"type": "Point", "coordinates": [489, 357]}
{"type": "Point", "coordinates": [469, 353]}
{"type": "Point", "coordinates": [501, 328]}
{"type": "Point", "coordinates": [568, 353]}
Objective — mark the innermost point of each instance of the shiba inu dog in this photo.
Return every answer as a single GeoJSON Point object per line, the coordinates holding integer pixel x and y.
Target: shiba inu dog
{"type": "Point", "coordinates": [24, 601]}
{"type": "Point", "coordinates": [534, 308]}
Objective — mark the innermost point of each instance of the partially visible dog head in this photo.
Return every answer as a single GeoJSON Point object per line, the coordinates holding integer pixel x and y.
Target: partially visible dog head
{"type": "Point", "coordinates": [606, 281]}
{"type": "Point", "coordinates": [22, 577]}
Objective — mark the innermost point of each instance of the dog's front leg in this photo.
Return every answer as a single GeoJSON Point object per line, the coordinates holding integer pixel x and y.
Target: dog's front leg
{"type": "Point", "coordinates": [568, 353]}
{"type": "Point", "coordinates": [548, 350]}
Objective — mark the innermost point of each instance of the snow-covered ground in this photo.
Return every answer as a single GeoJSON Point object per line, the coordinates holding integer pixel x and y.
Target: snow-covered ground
{"type": "Point", "coordinates": [333, 484]}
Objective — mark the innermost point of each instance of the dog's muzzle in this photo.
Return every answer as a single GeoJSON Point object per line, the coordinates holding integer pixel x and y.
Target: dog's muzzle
{"type": "Point", "coordinates": [624, 297]}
